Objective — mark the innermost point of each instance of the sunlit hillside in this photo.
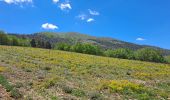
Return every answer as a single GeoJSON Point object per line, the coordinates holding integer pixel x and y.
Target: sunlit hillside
{"type": "Point", "coordinates": [42, 74]}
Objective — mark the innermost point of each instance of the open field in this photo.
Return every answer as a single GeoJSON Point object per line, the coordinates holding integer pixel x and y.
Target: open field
{"type": "Point", "coordinates": [41, 74]}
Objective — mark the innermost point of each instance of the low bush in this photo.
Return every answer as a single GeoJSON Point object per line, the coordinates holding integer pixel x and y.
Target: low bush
{"type": "Point", "coordinates": [6, 84]}
{"type": "Point", "coordinates": [47, 68]}
{"type": "Point", "coordinates": [9, 88]}
{"type": "Point", "coordinates": [95, 96]}
{"type": "Point", "coordinates": [50, 82]}
{"type": "Point", "coordinates": [67, 89]}
{"type": "Point", "coordinates": [148, 54]}
{"type": "Point", "coordinates": [54, 98]}
{"type": "Point", "coordinates": [129, 89]}
{"type": "Point", "coordinates": [18, 85]}
{"type": "Point", "coordinates": [2, 69]}
{"type": "Point", "coordinates": [120, 53]}
{"type": "Point", "coordinates": [78, 92]}
{"type": "Point", "coordinates": [15, 94]}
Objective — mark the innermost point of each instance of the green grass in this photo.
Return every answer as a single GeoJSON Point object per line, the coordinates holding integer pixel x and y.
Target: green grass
{"type": "Point", "coordinates": [9, 88]}
{"type": "Point", "coordinates": [52, 74]}
{"type": "Point", "coordinates": [5, 83]}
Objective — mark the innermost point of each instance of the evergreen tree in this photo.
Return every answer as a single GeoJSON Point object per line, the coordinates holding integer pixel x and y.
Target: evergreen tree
{"type": "Point", "coordinates": [39, 44]}
{"type": "Point", "coordinates": [3, 38]}
{"type": "Point", "coordinates": [33, 43]}
{"type": "Point", "coordinates": [48, 45]}
{"type": "Point", "coordinates": [15, 41]}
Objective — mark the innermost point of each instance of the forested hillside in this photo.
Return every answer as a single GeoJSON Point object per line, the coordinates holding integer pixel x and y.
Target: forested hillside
{"type": "Point", "coordinates": [72, 38]}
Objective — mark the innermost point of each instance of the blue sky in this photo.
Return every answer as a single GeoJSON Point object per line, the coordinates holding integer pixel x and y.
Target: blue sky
{"type": "Point", "coordinates": [137, 21]}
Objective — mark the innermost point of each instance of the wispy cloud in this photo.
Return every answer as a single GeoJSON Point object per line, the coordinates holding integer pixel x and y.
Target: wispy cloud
{"type": "Point", "coordinates": [49, 26]}
{"type": "Point", "coordinates": [88, 16]}
{"type": "Point", "coordinates": [140, 39]}
{"type": "Point", "coordinates": [17, 1]}
{"type": "Point", "coordinates": [56, 1]}
{"type": "Point", "coordinates": [93, 12]}
{"type": "Point", "coordinates": [90, 20]}
{"type": "Point", "coordinates": [20, 3]}
{"type": "Point", "coordinates": [82, 16]}
{"type": "Point", "coordinates": [65, 6]}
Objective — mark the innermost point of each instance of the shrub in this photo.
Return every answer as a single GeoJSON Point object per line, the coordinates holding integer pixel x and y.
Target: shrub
{"type": "Point", "coordinates": [47, 68]}
{"type": "Point", "coordinates": [54, 98]}
{"type": "Point", "coordinates": [129, 89]}
{"type": "Point", "coordinates": [168, 59]}
{"type": "Point", "coordinates": [2, 60]}
{"type": "Point", "coordinates": [95, 96]}
{"type": "Point", "coordinates": [19, 85]}
{"type": "Point", "coordinates": [148, 54]}
{"type": "Point", "coordinates": [28, 98]}
{"type": "Point", "coordinates": [124, 85]}
{"type": "Point", "coordinates": [86, 48]}
{"type": "Point", "coordinates": [9, 88]}
{"type": "Point", "coordinates": [78, 93]}
{"type": "Point", "coordinates": [2, 69]}
{"type": "Point", "coordinates": [120, 53]}
{"type": "Point", "coordinates": [66, 89]}
{"type": "Point", "coordinates": [50, 82]}
{"type": "Point", "coordinates": [28, 70]}
{"type": "Point", "coordinates": [92, 49]}
{"type": "Point", "coordinates": [77, 48]}
{"type": "Point", "coordinates": [5, 83]}
{"type": "Point", "coordinates": [62, 46]}
{"type": "Point", "coordinates": [15, 94]}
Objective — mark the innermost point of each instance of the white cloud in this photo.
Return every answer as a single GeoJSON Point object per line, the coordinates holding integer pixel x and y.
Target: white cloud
{"type": "Point", "coordinates": [140, 39]}
{"type": "Point", "coordinates": [90, 20]}
{"type": "Point", "coordinates": [56, 1]}
{"type": "Point", "coordinates": [85, 17]}
{"type": "Point", "coordinates": [17, 1]}
{"type": "Point", "coordinates": [92, 12]}
{"type": "Point", "coordinates": [49, 26]}
{"type": "Point", "coordinates": [65, 6]}
{"type": "Point", "coordinates": [82, 16]}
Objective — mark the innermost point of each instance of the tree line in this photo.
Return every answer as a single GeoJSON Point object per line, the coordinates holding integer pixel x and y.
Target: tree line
{"type": "Point", "coordinates": [12, 40]}
{"type": "Point", "coordinates": [40, 44]}
{"type": "Point", "coordinates": [79, 48]}
{"type": "Point", "coordinates": [145, 54]}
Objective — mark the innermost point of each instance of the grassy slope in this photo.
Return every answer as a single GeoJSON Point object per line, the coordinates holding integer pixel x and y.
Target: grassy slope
{"type": "Point", "coordinates": [58, 74]}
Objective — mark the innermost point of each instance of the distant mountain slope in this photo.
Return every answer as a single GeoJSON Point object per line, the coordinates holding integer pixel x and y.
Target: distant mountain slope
{"type": "Point", "coordinates": [73, 37]}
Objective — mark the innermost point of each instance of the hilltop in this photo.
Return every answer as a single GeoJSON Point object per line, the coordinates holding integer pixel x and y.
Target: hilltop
{"type": "Point", "coordinates": [41, 74]}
